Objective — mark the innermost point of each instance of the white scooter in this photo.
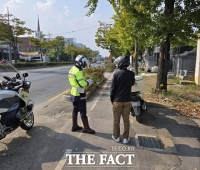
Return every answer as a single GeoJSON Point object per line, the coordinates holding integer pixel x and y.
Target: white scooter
{"type": "Point", "coordinates": [138, 104]}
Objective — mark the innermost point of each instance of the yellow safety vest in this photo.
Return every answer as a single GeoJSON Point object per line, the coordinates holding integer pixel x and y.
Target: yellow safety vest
{"type": "Point", "coordinates": [77, 81]}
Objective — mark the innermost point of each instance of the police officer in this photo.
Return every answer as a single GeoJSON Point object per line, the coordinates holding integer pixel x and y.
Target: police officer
{"type": "Point", "coordinates": [78, 95]}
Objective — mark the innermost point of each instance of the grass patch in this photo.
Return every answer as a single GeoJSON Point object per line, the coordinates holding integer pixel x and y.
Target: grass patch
{"type": "Point", "coordinates": [184, 98]}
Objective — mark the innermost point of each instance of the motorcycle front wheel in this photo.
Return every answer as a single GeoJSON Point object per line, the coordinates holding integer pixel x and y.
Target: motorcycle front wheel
{"type": "Point", "coordinates": [28, 123]}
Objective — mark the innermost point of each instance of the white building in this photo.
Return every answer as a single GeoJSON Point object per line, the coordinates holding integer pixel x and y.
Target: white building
{"type": "Point", "coordinates": [70, 41]}
{"type": "Point", "coordinates": [38, 33]}
{"type": "Point", "coordinates": [80, 45]}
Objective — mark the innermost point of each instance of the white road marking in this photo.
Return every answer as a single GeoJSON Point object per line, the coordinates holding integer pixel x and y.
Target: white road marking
{"type": "Point", "coordinates": [100, 94]}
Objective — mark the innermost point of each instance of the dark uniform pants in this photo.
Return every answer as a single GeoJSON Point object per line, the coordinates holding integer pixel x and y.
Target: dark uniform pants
{"type": "Point", "coordinates": [79, 105]}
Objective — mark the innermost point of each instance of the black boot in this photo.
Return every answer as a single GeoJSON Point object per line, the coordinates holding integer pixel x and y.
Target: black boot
{"type": "Point", "coordinates": [75, 126]}
{"type": "Point", "coordinates": [86, 126]}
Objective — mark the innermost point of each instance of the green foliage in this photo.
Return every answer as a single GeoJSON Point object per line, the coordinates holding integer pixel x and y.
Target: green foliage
{"type": "Point", "coordinates": [57, 43]}
{"type": "Point", "coordinates": [52, 47]}
{"type": "Point", "coordinates": [96, 74]}
{"type": "Point", "coordinates": [73, 51]}
{"type": "Point", "coordinates": [10, 30]}
{"type": "Point", "coordinates": [168, 23]}
{"type": "Point", "coordinates": [34, 64]}
{"type": "Point", "coordinates": [107, 38]}
{"type": "Point", "coordinates": [109, 66]}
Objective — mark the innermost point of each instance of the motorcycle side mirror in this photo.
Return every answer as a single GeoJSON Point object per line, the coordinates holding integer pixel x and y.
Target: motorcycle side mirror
{"type": "Point", "coordinates": [18, 76]}
{"type": "Point", "coordinates": [14, 78]}
{"type": "Point", "coordinates": [25, 75]}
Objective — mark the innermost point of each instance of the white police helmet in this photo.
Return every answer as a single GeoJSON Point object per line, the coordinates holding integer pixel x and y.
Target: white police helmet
{"type": "Point", "coordinates": [81, 61]}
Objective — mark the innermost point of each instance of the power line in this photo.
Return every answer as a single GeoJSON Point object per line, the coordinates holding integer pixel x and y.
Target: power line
{"type": "Point", "coordinates": [80, 29]}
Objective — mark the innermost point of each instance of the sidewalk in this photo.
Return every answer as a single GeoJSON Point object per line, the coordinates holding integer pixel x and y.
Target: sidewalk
{"type": "Point", "coordinates": [179, 136]}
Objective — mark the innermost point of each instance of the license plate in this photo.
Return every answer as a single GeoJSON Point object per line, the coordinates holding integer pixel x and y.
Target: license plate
{"type": "Point", "coordinates": [135, 104]}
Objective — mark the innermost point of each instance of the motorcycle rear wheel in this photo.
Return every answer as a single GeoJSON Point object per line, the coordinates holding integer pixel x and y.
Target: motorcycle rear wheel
{"type": "Point", "coordinates": [132, 112]}
{"type": "Point", "coordinates": [28, 123]}
{"type": "Point", "coordinates": [138, 118]}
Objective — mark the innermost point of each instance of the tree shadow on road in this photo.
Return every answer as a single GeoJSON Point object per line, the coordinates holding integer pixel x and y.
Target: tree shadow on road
{"type": "Point", "coordinates": [39, 149]}
{"type": "Point", "coordinates": [182, 129]}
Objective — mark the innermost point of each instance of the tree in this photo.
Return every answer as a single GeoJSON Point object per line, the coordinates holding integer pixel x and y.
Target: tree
{"type": "Point", "coordinates": [58, 43]}
{"type": "Point", "coordinates": [40, 43]}
{"type": "Point", "coordinates": [168, 22]}
{"type": "Point", "coordinates": [71, 50]}
{"type": "Point", "coordinates": [123, 35]}
{"type": "Point", "coordinates": [10, 30]}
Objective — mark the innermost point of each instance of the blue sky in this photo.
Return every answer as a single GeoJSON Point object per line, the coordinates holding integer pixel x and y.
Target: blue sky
{"type": "Point", "coordinates": [58, 17]}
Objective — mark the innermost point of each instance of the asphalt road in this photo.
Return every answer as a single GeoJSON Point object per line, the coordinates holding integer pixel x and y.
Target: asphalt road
{"type": "Point", "coordinates": [47, 82]}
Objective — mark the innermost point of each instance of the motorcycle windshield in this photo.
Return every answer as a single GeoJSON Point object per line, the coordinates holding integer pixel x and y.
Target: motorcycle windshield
{"type": "Point", "coordinates": [7, 70]}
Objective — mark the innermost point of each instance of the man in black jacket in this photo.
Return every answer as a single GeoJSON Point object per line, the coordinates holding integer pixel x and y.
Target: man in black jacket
{"type": "Point", "coordinates": [120, 96]}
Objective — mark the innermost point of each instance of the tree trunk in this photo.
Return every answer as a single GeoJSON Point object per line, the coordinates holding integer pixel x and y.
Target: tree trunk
{"type": "Point", "coordinates": [164, 52]}
{"type": "Point", "coordinates": [163, 66]}
{"type": "Point", "coordinates": [15, 53]}
{"type": "Point", "coordinates": [128, 53]}
{"type": "Point", "coordinates": [136, 56]}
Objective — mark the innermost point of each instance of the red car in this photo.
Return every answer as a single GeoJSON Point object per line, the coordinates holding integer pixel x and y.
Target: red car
{"type": "Point", "coordinates": [4, 61]}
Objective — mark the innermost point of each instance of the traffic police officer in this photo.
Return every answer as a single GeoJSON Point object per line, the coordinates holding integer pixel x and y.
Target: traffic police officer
{"type": "Point", "coordinates": [78, 95]}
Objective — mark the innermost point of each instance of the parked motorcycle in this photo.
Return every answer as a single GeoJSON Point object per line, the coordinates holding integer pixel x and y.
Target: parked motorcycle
{"type": "Point", "coordinates": [138, 104]}
{"type": "Point", "coordinates": [16, 107]}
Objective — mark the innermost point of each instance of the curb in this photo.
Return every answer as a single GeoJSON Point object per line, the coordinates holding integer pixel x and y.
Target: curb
{"type": "Point", "coordinates": [160, 105]}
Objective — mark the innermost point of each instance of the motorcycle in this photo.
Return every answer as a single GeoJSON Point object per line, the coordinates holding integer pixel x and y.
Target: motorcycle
{"type": "Point", "coordinates": [138, 103]}
{"type": "Point", "coordinates": [16, 107]}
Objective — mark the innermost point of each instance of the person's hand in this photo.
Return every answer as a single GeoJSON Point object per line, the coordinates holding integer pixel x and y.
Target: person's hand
{"type": "Point", "coordinates": [89, 81]}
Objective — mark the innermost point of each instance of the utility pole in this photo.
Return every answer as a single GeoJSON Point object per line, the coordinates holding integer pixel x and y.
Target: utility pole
{"type": "Point", "coordinates": [9, 50]}
{"type": "Point", "coordinates": [49, 35]}
{"type": "Point", "coordinates": [197, 68]}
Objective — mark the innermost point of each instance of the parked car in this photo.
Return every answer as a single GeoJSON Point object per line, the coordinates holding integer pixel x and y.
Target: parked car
{"type": "Point", "coordinates": [36, 60]}
{"type": "Point", "coordinates": [3, 61]}
{"type": "Point", "coordinates": [14, 61]}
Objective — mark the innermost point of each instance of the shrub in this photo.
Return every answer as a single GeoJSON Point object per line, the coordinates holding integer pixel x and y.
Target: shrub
{"type": "Point", "coordinates": [96, 74]}
{"type": "Point", "coordinates": [109, 66]}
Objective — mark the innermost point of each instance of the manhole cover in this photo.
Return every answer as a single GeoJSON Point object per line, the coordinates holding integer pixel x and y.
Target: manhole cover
{"type": "Point", "coordinates": [150, 142]}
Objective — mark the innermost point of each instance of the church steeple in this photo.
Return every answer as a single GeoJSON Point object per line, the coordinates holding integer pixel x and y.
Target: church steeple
{"type": "Point", "coordinates": [38, 33]}
{"type": "Point", "coordinates": [38, 27]}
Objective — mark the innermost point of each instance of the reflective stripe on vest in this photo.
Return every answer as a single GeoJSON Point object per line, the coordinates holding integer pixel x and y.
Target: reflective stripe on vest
{"type": "Point", "coordinates": [79, 90]}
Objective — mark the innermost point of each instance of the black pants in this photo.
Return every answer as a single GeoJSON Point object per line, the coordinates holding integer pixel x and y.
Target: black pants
{"type": "Point", "coordinates": [79, 103]}
{"type": "Point", "coordinates": [80, 107]}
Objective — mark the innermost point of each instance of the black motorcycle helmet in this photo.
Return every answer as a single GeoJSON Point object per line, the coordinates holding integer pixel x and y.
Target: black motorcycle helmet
{"type": "Point", "coordinates": [123, 62]}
